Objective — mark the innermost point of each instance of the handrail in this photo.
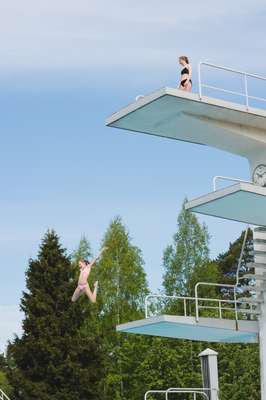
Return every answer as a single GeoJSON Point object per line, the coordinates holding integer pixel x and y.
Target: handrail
{"type": "Point", "coordinates": [196, 300]}
{"type": "Point", "coordinates": [241, 255]}
{"type": "Point", "coordinates": [3, 396]}
{"type": "Point", "coordinates": [227, 178]}
{"type": "Point", "coordinates": [184, 298]}
{"type": "Point", "coordinates": [244, 74]}
{"type": "Point", "coordinates": [195, 391]}
{"type": "Point", "coordinates": [221, 300]}
{"type": "Point", "coordinates": [201, 391]}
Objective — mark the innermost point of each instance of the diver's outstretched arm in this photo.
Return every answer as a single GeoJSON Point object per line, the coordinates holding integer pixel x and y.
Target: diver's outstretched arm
{"type": "Point", "coordinates": [99, 255]}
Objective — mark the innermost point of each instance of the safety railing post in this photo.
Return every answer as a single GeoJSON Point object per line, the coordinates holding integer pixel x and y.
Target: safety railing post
{"type": "Point", "coordinates": [236, 312]}
{"type": "Point", "coordinates": [185, 307]}
{"type": "Point", "coordinates": [199, 77]}
{"type": "Point", "coordinates": [197, 303]}
{"type": "Point", "coordinates": [246, 90]}
{"type": "Point", "coordinates": [146, 306]}
{"type": "Point", "coordinates": [220, 309]}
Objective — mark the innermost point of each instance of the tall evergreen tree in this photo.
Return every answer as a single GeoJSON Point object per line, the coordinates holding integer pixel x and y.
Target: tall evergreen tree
{"type": "Point", "coordinates": [228, 261]}
{"type": "Point", "coordinates": [53, 358]}
{"type": "Point", "coordinates": [188, 251]}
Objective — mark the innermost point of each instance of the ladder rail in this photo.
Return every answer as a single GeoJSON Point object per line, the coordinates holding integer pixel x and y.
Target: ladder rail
{"type": "Point", "coordinates": [3, 395]}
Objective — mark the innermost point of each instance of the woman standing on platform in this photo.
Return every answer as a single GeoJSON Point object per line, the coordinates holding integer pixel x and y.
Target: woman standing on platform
{"type": "Point", "coordinates": [186, 73]}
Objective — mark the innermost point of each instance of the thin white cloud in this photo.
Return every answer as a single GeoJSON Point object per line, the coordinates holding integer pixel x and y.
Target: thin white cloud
{"type": "Point", "coordinates": [10, 324]}
{"type": "Point", "coordinates": [87, 34]}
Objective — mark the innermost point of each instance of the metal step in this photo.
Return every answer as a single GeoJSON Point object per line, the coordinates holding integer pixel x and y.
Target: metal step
{"type": "Point", "coordinates": [251, 300]}
{"type": "Point", "coordinates": [248, 276]}
{"type": "Point", "coordinates": [261, 247]}
{"type": "Point", "coordinates": [256, 265]}
{"type": "Point", "coordinates": [257, 252]}
{"type": "Point", "coordinates": [259, 240]}
{"type": "Point", "coordinates": [260, 259]}
{"type": "Point", "coordinates": [246, 311]}
{"type": "Point", "coordinates": [257, 277]}
{"type": "Point", "coordinates": [248, 288]}
{"type": "Point", "coordinates": [259, 235]}
{"type": "Point", "coordinates": [260, 229]}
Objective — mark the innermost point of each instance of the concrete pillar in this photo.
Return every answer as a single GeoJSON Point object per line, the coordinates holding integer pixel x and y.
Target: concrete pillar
{"type": "Point", "coordinates": [259, 237]}
{"type": "Point", "coordinates": [209, 368]}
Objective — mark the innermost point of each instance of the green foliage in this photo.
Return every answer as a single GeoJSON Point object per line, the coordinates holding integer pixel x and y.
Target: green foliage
{"type": "Point", "coordinates": [69, 351]}
{"type": "Point", "coordinates": [53, 359]}
{"type": "Point", "coordinates": [123, 287]}
{"type": "Point", "coordinates": [239, 375]}
{"type": "Point", "coordinates": [228, 261]}
{"type": "Point", "coordinates": [188, 251]}
{"type": "Point", "coordinates": [4, 384]}
{"type": "Point", "coordinates": [83, 251]}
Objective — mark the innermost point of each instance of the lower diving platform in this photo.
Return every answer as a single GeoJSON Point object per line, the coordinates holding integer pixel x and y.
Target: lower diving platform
{"type": "Point", "coordinates": [242, 202]}
{"type": "Point", "coordinates": [207, 329]}
{"type": "Point", "coordinates": [198, 318]}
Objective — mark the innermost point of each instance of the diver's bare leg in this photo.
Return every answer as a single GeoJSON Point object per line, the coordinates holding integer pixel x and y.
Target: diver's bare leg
{"type": "Point", "coordinates": [77, 293]}
{"type": "Point", "coordinates": [92, 295]}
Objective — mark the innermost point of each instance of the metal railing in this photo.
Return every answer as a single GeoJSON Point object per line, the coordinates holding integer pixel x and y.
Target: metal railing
{"type": "Point", "coordinates": [245, 75]}
{"type": "Point", "coordinates": [227, 178]}
{"type": "Point", "coordinates": [220, 301]}
{"type": "Point", "coordinates": [193, 391]}
{"type": "Point", "coordinates": [241, 255]}
{"type": "Point", "coordinates": [3, 396]}
{"type": "Point", "coordinates": [221, 306]}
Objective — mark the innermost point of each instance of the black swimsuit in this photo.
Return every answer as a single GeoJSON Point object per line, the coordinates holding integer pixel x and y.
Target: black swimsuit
{"type": "Point", "coordinates": [183, 72]}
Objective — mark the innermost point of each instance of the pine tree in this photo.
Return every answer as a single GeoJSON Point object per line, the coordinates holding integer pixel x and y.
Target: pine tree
{"type": "Point", "coordinates": [188, 251]}
{"type": "Point", "coordinates": [53, 359]}
{"type": "Point", "coordinates": [228, 261]}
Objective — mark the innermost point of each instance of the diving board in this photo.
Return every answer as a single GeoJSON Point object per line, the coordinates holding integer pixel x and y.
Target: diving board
{"type": "Point", "coordinates": [207, 329]}
{"type": "Point", "coordinates": [179, 115]}
{"type": "Point", "coordinates": [243, 202]}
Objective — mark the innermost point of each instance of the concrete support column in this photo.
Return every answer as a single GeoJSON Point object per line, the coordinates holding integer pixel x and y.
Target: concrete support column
{"type": "Point", "coordinates": [209, 368]}
{"type": "Point", "coordinates": [259, 237]}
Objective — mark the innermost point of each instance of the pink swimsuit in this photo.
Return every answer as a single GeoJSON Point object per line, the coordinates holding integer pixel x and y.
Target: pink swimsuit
{"type": "Point", "coordinates": [82, 286]}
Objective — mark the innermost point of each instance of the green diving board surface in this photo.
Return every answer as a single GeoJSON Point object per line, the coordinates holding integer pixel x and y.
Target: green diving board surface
{"type": "Point", "coordinates": [180, 115]}
{"type": "Point", "coordinates": [242, 202]}
{"type": "Point", "coordinates": [207, 329]}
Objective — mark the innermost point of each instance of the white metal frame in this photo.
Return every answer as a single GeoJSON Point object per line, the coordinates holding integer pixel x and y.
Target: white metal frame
{"type": "Point", "coordinates": [227, 178]}
{"type": "Point", "coordinates": [194, 391]}
{"type": "Point", "coordinates": [220, 303]}
{"type": "Point", "coordinates": [235, 71]}
{"type": "Point", "coordinates": [3, 396]}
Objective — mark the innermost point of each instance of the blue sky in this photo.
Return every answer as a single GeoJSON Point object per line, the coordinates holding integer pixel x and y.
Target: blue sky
{"type": "Point", "coordinates": [64, 67]}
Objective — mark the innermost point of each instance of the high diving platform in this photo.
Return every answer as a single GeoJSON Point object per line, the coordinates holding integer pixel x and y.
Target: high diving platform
{"type": "Point", "coordinates": [238, 129]}
{"type": "Point", "coordinates": [179, 115]}
{"type": "Point", "coordinates": [207, 329]}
